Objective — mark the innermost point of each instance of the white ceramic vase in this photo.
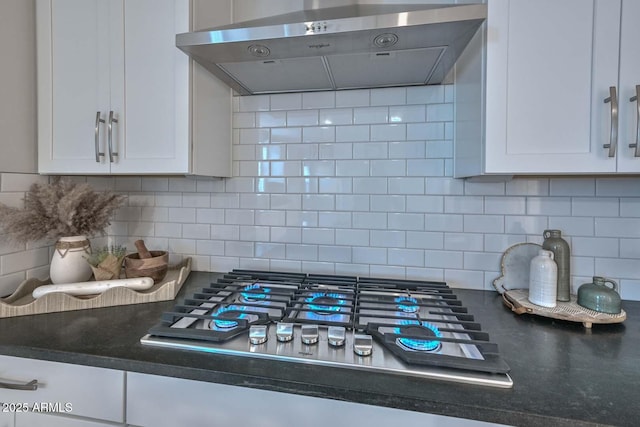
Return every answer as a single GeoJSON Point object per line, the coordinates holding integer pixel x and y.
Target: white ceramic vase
{"type": "Point", "coordinates": [543, 279]}
{"type": "Point", "coordinates": [69, 263]}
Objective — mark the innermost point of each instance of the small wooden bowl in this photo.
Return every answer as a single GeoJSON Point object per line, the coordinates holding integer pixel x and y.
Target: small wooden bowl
{"type": "Point", "coordinates": [155, 267]}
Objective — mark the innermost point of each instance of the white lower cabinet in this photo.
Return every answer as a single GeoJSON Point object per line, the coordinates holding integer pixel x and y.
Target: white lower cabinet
{"type": "Point", "coordinates": [6, 419]}
{"type": "Point", "coordinates": [155, 401]}
{"type": "Point", "coordinates": [32, 419]}
{"type": "Point", "coordinates": [64, 392]}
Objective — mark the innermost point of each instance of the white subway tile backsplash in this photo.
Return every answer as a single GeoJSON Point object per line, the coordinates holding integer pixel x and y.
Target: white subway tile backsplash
{"type": "Point", "coordinates": [630, 207]}
{"type": "Point", "coordinates": [271, 218]}
{"type": "Point", "coordinates": [195, 231]}
{"type": "Point", "coordinates": [406, 257]}
{"type": "Point", "coordinates": [388, 168]}
{"type": "Point", "coordinates": [286, 101]}
{"type": "Point", "coordinates": [463, 204]}
{"type": "Point", "coordinates": [407, 114]}
{"type": "Point", "coordinates": [319, 134]}
{"type": "Point", "coordinates": [270, 119]}
{"type": "Point", "coordinates": [365, 255]}
{"type": "Point", "coordinates": [360, 182]}
{"type": "Point", "coordinates": [464, 242]}
{"type": "Point", "coordinates": [318, 100]}
{"type": "Point", "coordinates": [572, 226]}
{"type": "Point", "coordinates": [592, 206]}
{"type": "Point", "coordinates": [253, 103]}
{"type": "Point", "coordinates": [370, 185]}
{"type": "Point", "coordinates": [389, 96]}
{"type": "Point", "coordinates": [370, 220]}
{"type": "Point", "coordinates": [370, 115]}
{"type": "Point", "coordinates": [336, 116]}
{"type": "Point", "coordinates": [338, 150]}
{"type": "Point", "coordinates": [439, 112]}
{"type": "Point", "coordinates": [285, 135]}
{"type": "Point", "coordinates": [388, 238]}
{"type": "Point", "coordinates": [353, 98]}
{"type": "Point", "coordinates": [334, 220]}
{"type": "Point", "coordinates": [302, 252]}
{"type": "Point", "coordinates": [617, 227]}
{"type": "Point", "coordinates": [352, 202]}
{"type": "Point", "coordinates": [302, 151]}
{"type": "Point", "coordinates": [270, 250]}
{"type": "Point", "coordinates": [318, 236]}
{"type": "Point", "coordinates": [286, 234]}
{"type": "Point", "coordinates": [389, 132]}
{"type": "Point", "coordinates": [557, 206]}
{"type": "Point", "coordinates": [334, 254]}
{"type": "Point", "coordinates": [371, 150]}
{"type": "Point", "coordinates": [520, 224]}
{"type": "Point", "coordinates": [425, 240]}
{"type": "Point", "coordinates": [303, 118]}
{"type": "Point", "coordinates": [387, 203]}
{"type": "Point", "coordinates": [352, 133]}
{"type": "Point", "coordinates": [335, 185]}
{"type": "Point", "coordinates": [405, 221]}
{"type": "Point", "coordinates": [407, 150]}
{"type": "Point", "coordinates": [319, 168]}
{"type": "Point", "coordinates": [425, 95]}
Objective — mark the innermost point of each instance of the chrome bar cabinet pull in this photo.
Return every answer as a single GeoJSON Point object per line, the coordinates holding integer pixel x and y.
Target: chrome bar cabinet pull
{"type": "Point", "coordinates": [112, 120]}
{"type": "Point", "coordinates": [30, 386]}
{"type": "Point", "coordinates": [636, 98]}
{"type": "Point", "coordinates": [97, 140]}
{"type": "Point", "coordinates": [613, 137]}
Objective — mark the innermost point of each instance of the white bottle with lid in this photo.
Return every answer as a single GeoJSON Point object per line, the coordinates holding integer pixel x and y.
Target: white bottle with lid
{"type": "Point", "coordinates": [543, 279]}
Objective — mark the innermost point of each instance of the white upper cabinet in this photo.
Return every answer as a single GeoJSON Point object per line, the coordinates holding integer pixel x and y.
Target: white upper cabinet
{"type": "Point", "coordinates": [540, 109]}
{"type": "Point", "coordinates": [114, 91]}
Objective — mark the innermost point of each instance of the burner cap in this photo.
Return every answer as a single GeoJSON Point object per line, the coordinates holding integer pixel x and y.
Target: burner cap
{"type": "Point", "coordinates": [326, 303]}
{"type": "Point", "coordinates": [226, 318]}
{"type": "Point", "coordinates": [424, 331]}
{"type": "Point", "coordinates": [254, 293]}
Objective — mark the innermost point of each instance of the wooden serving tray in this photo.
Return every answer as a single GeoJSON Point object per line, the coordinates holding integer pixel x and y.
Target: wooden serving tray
{"type": "Point", "coordinates": [518, 301]}
{"type": "Point", "coordinates": [22, 303]}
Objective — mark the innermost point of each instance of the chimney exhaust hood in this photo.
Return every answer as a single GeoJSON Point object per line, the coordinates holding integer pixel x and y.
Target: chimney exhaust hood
{"type": "Point", "coordinates": [346, 47]}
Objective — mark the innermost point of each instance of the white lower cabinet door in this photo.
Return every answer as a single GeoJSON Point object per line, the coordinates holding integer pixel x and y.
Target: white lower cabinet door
{"type": "Point", "coordinates": [32, 419]}
{"type": "Point", "coordinates": [155, 401]}
{"type": "Point", "coordinates": [6, 419]}
{"type": "Point", "coordinates": [63, 389]}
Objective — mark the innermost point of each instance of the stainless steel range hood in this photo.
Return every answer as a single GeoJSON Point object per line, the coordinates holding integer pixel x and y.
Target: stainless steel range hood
{"type": "Point", "coordinates": [346, 47]}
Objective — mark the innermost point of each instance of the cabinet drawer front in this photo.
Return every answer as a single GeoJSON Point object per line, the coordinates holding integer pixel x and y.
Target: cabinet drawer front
{"type": "Point", "coordinates": [70, 389]}
{"type": "Point", "coordinates": [32, 419]}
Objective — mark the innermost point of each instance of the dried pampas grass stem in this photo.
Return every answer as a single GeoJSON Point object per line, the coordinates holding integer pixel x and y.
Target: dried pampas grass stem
{"type": "Point", "coordinates": [61, 208]}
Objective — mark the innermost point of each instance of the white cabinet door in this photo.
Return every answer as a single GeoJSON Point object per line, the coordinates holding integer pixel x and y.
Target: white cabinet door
{"type": "Point", "coordinates": [550, 64]}
{"type": "Point", "coordinates": [629, 80]}
{"type": "Point", "coordinates": [31, 419]}
{"type": "Point", "coordinates": [70, 390]}
{"type": "Point", "coordinates": [154, 401]}
{"type": "Point", "coordinates": [73, 84]}
{"type": "Point", "coordinates": [153, 98]}
{"type": "Point", "coordinates": [112, 59]}
{"type": "Point", "coordinates": [6, 419]}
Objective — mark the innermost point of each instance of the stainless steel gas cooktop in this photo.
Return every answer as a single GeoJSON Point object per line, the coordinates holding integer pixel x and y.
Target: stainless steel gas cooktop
{"type": "Point", "coordinates": [402, 327]}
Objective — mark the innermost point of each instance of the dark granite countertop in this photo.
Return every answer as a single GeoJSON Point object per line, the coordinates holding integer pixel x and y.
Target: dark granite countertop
{"type": "Point", "coordinates": [563, 374]}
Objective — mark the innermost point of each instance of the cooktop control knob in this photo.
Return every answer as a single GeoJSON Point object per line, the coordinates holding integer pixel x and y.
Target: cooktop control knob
{"type": "Point", "coordinates": [284, 332]}
{"type": "Point", "coordinates": [336, 336]}
{"type": "Point", "coordinates": [362, 344]}
{"type": "Point", "coordinates": [258, 334]}
{"type": "Point", "coordinates": [309, 334]}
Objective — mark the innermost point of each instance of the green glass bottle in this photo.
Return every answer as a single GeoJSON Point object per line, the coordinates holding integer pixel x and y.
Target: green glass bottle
{"type": "Point", "coordinates": [554, 242]}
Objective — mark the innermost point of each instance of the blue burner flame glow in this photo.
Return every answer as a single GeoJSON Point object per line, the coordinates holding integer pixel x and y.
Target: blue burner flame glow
{"type": "Point", "coordinates": [419, 344]}
{"type": "Point", "coordinates": [260, 296]}
{"type": "Point", "coordinates": [316, 299]}
{"type": "Point", "coordinates": [406, 304]}
{"type": "Point", "coordinates": [228, 324]}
